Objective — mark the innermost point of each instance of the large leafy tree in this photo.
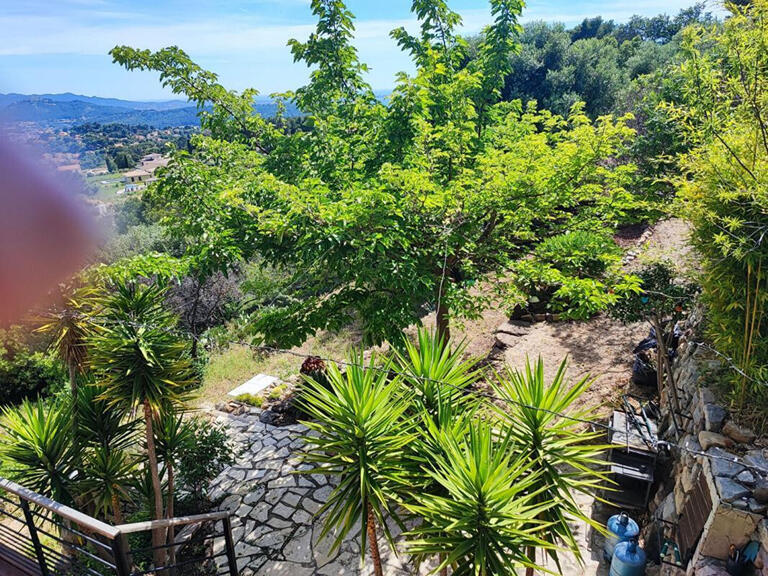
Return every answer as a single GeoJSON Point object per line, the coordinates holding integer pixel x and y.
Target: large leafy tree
{"type": "Point", "coordinates": [385, 211]}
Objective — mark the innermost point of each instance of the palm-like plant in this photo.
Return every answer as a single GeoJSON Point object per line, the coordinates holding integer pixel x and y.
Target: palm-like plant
{"type": "Point", "coordinates": [107, 480]}
{"type": "Point", "coordinates": [37, 445]}
{"type": "Point", "coordinates": [564, 455]}
{"type": "Point", "coordinates": [437, 372]}
{"type": "Point", "coordinates": [70, 328]}
{"type": "Point", "coordinates": [361, 437]}
{"type": "Point", "coordinates": [144, 365]}
{"type": "Point", "coordinates": [486, 515]}
{"type": "Point", "coordinates": [173, 435]}
{"type": "Point", "coordinates": [100, 425]}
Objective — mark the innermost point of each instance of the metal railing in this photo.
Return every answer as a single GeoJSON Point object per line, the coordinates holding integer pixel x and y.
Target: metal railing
{"type": "Point", "coordinates": [39, 536]}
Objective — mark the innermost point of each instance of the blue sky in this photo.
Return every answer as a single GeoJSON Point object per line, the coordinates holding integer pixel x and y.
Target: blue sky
{"type": "Point", "coordinates": [62, 45]}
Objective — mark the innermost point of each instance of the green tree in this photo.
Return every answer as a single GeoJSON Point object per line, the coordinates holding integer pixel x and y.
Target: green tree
{"type": "Point", "coordinates": [724, 187]}
{"type": "Point", "coordinates": [385, 211]}
{"type": "Point", "coordinates": [360, 438]}
{"type": "Point", "coordinates": [144, 366]}
{"type": "Point", "coordinates": [564, 457]}
{"type": "Point", "coordinates": [37, 449]}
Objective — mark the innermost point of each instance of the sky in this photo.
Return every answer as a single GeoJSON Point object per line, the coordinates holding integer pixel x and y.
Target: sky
{"type": "Point", "coordinates": [52, 46]}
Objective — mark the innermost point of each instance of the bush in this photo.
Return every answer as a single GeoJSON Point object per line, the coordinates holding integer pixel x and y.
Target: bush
{"type": "Point", "coordinates": [576, 275]}
{"type": "Point", "coordinates": [25, 372]}
{"type": "Point", "coordinates": [208, 453]}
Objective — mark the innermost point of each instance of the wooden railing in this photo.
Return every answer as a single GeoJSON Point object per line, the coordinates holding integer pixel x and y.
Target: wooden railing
{"type": "Point", "coordinates": [39, 536]}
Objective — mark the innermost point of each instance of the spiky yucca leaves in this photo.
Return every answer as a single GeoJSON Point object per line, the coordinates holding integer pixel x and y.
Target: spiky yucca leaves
{"type": "Point", "coordinates": [70, 328]}
{"type": "Point", "coordinates": [172, 435]}
{"type": "Point", "coordinates": [36, 447]}
{"type": "Point", "coordinates": [563, 454]}
{"type": "Point", "coordinates": [360, 438]}
{"type": "Point", "coordinates": [143, 364]}
{"type": "Point", "coordinates": [435, 371]}
{"type": "Point", "coordinates": [486, 515]}
{"type": "Point", "coordinates": [100, 425]}
{"type": "Point", "coordinates": [108, 475]}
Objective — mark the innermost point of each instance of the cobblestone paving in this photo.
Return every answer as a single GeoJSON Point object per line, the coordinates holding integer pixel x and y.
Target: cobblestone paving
{"type": "Point", "coordinates": [274, 528]}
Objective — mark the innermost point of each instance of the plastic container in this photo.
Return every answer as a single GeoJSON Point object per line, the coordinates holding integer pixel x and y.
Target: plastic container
{"type": "Point", "coordinates": [628, 560]}
{"type": "Point", "coordinates": [621, 528]}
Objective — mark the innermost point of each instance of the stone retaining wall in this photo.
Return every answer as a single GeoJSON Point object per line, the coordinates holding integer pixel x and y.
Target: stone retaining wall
{"type": "Point", "coordinates": [734, 471]}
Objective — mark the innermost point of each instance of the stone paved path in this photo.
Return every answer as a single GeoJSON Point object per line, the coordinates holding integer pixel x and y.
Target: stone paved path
{"type": "Point", "coordinates": [275, 529]}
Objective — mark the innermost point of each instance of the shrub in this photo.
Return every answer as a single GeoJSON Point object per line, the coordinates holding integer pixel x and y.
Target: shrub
{"type": "Point", "coordinates": [26, 373]}
{"type": "Point", "coordinates": [207, 453]}
{"type": "Point", "coordinates": [576, 274]}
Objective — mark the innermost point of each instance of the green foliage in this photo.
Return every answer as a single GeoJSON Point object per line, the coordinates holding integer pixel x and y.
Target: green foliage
{"type": "Point", "coordinates": [206, 452]}
{"type": "Point", "coordinates": [26, 372]}
{"type": "Point", "coordinates": [132, 212]}
{"type": "Point", "coordinates": [435, 372]}
{"type": "Point", "coordinates": [361, 437]}
{"type": "Point", "coordinates": [142, 361]}
{"type": "Point", "coordinates": [661, 293]}
{"type": "Point", "coordinates": [382, 209]}
{"type": "Point", "coordinates": [576, 274]}
{"type": "Point", "coordinates": [564, 456]}
{"type": "Point", "coordinates": [488, 514]}
{"type": "Point", "coordinates": [36, 447]}
{"type": "Point", "coordinates": [250, 399]}
{"type": "Point", "coordinates": [724, 190]}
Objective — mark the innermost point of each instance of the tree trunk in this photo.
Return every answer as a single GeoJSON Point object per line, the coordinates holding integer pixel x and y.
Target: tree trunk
{"type": "Point", "coordinates": [117, 515]}
{"type": "Point", "coordinates": [158, 535]}
{"type": "Point", "coordinates": [532, 559]}
{"type": "Point", "coordinates": [443, 322]}
{"type": "Point", "coordinates": [169, 512]}
{"type": "Point", "coordinates": [373, 543]}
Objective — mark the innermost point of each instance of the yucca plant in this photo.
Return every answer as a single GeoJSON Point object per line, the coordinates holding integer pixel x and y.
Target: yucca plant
{"type": "Point", "coordinates": [487, 515]}
{"type": "Point", "coordinates": [144, 366]}
{"type": "Point", "coordinates": [562, 453]}
{"type": "Point", "coordinates": [101, 425]}
{"type": "Point", "coordinates": [437, 372]}
{"type": "Point", "coordinates": [70, 328]}
{"type": "Point", "coordinates": [360, 438]}
{"type": "Point", "coordinates": [107, 478]}
{"type": "Point", "coordinates": [37, 449]}
{"type": "Point", "coordinates": [172, 436]}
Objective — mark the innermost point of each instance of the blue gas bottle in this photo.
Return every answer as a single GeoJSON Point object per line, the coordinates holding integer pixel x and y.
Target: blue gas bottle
{"type": "Point", "coordinates": [621, 528]}
{"type": "Point", "coordinates": [628, 560]}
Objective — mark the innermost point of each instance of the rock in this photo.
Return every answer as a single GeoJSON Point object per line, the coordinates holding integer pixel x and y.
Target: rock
{"type": "Point", "coordinates": [514, 328]}
{"type": "Point", "coordinates": [668, 508]}
{"type": "Point", "coordinates": [299, 548]}
{"type": "Point", "coordinates": [723, 463]}
{"type": "Point", "coordinates": [746, 477]}
{"type": "Point", "coordinates": [730, 490]}
{"type": "Point", "coordinates": [756, 507]}
{"type": "Point", "coordinates": [504, 340]}
{"type": "Point", "coordinates": [709, 439]}
{"type": "Point", "coordinates": [757, 459]}
{"type": "Point", "coordinates": [738, 433]}
{"type": "Point", "coordinates": [714, 416]}
{"type": "Point", "coordinates": [760, 492]}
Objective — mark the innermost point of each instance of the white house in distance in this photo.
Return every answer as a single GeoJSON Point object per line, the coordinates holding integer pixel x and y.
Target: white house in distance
{"type": "Point", "coordinates": [144, 174]}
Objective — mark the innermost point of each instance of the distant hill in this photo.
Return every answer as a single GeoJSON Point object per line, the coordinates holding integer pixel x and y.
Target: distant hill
{"type": "Point", "coordinates": [68, 109]}
{"type": "Point", "coordinates": [7, 99]}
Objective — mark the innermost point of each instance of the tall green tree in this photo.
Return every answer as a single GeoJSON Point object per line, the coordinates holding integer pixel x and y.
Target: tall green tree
{"type": "Point", "coordinates": [724, 188]}
{"type": "Point", "coordinates": [144, 367]}
{"type": "Point", "coordinates": [386, 211]}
